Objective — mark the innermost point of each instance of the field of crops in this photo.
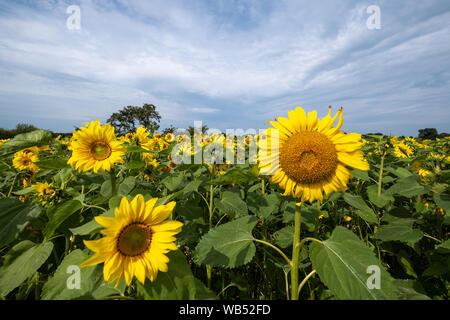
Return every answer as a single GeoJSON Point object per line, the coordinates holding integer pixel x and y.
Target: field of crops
{"type": "Point", "coordinates": [100, 216]}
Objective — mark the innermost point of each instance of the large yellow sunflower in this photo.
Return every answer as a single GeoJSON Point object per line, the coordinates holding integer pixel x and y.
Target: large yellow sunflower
{"type": "Point", "coordinates": [311, 155]}
{"type": "Point", "coordinates": [136, 241]}
{"type": "Point", "coordinates": [95, 147]}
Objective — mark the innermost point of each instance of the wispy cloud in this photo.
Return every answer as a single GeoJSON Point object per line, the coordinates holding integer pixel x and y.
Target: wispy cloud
{"type": "Point", "coordinates": [231, 63]}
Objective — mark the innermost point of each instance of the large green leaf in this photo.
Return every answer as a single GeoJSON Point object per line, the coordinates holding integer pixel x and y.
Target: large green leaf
{"type": "Point", "coordinates": [91, 283]}
{"type": "Point", "coordinates": [398, 232]}
{"type": "Point", "coordinates": [178, 283]}
{"type": "Point", "coordinates": [232, 204]}
{"type": "Point", "coordinates": [407, 187]}
{"type": "Point", "coordinates": [21, 141]}
{"type": "Point", "coordinates": [126, 186]}
{"type": "Point", "coordinates": [21, 262]}
{"type": "Point", "coordinates": [59, 163]}
{"type": "Point", "coordinates": [229, 245]}
{"type": "Point", "coordinates": [399, 227]}
{"type": "Point", "coordinates": [60, 214]}
{"type": "Point", "coordinates": [342, 263]}
{"type": "Point", "coordinates": [14, 216]}
{"type": "Point", "coordinates": [364, 211]}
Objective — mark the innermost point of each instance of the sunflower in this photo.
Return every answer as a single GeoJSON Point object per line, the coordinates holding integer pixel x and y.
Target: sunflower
{"type": "Point", "coordinates": [312, 156]}
{"type": "Point", "coordinates": [135, 241]}
{"type": "Point", "coordinates": [169, 137]}
{"type": "Point", "coordinates": [95, 147]}
{"type": "Point", "coordinates": [44, 190]}
{"type": "Point", "coordinates": [24, 160]}
{"type": "Point", "coordinates": [402, 150]}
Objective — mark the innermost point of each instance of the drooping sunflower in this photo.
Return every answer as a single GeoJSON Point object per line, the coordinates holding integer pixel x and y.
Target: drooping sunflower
{"type": "Point", "coordinates": [135, 241]}
{"type": "Point", "coordinates": [95, 147]}
{"type": "Point", "coordinates": [311, 155]}
{"type": "Point", "coordinates": [44, 190]}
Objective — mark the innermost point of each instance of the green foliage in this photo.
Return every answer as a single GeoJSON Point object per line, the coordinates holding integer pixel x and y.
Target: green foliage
{"type": "Point", "coordinates": [228, 245]}
{"type": "Point", "coordinates": [127, 119]}
{"type": "Point", "coordinates": [177, 284]}
{"type": "Point", "coordinates": [238, 229]}
{"type": "Point", "coordinates": [342, 263]}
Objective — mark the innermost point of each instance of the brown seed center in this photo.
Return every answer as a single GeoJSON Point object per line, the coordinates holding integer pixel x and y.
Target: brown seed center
{"type": "Point", "coordinates": [308, 157]}
{"type": "Point", "coordinates": [100, 150]}
{"type": "Point", "coordinates": [134, 239]}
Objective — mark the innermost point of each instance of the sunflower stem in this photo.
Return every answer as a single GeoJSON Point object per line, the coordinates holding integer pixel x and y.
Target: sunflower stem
{"type": "Point", "coordinates": [211, 212]}
{"type": "Point", "coordinates": [305, 279]}
{"type": "Point", "coordinates": [113, 183]}
{"type": "Point", "coordinates": [12, 185]}
{"type": "Point", "coordinates": [295, 254]}
{"type": "Point", "coordinates": [380, 178]}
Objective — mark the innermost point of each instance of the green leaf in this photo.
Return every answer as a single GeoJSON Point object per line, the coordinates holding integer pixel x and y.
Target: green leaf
{"type": "Point", "coordinates": [284, 237]}
{"type": "Point", "coordinates": [91, 283]}
{"type": "Point", "coordinates": [232, 204]}
{"type": "Point", "coordinates": [398, 232]}
{"type": "Point", "coordinates": [192, 186]}
{"type": "Point", "coordinates": [364, 211]}
{"type": "Point", "coordinates": [229, 245]}
{"type": "Point", "coordinates": [178, 283]}
{"type": "Point", "coordinates": [237, 175]}
{"type": "Point", "coordinates": [91, 226]}
{"type": "Point", "coordinates": [126, 186]}
{"type": "Point", "coordinates": [443, 247]}
{"type": "Point", "coordinates": [361, 174]}
{"type": "Point", "coordinates": [380, 201]}
{"type": "Point", "coordinates": [342, 264]}
{"type": "Point", "coordinates": [409, 290]}
{"type": "Point", "coordinates": [26, 140]}
{"type": "Point", "coordinates": [22, 262]}
{"type": "Point", "coordinates": [403, 259]}
{"type": "Point", "coordinates": [442, 201]}
{"type": "Point", "coordinates": [60, 214]}
{"type": "Point", "coordinates": [263, 205]}
{"type": "Point", "coordinates": [173, 182]}
{"type": "Point", "coordinates": [407, 187]}
{"type": "Point", "coordinates": [14, 216]}
{"type": "Point", "coordinates": [53, 164]}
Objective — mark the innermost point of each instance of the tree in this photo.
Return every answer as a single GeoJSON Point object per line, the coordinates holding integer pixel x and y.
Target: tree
{"type": "Point", "coordinates": [127, 119]}
{"type": "Point", "coordinates": [191, 129]}
{"type": "Point", "coordinates": [428, 133]}
{"type": "Point", "coordinates": [170, 129]}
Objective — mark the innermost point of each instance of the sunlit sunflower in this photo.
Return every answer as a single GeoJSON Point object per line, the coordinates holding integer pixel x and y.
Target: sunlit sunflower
{"type": "Point", "coordinates": [24, 160]}
{"type": "Point", "coordinates": [402, 150]}
{"type": "Point", "coordinates": [169, 137]}
{"type": "Point", "coordinates": [135, 241]}
{"type": "Point", "coordinates": [95, 147]}
{"type": "Point", "coordinates": [3, 141]}
{"type": "Point", "coordinates": [312, 155]}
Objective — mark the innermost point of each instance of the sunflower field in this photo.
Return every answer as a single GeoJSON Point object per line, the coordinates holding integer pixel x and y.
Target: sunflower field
{"type": "Point", "coordinates": [101, 216]}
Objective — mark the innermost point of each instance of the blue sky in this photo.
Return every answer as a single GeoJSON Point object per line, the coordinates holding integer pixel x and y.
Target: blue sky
{"type": "Point", "coordinates": [229, 63]}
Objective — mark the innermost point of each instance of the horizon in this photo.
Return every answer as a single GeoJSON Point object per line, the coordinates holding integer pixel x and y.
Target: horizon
{"type": "Point", "coordinates": [230, 64]}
